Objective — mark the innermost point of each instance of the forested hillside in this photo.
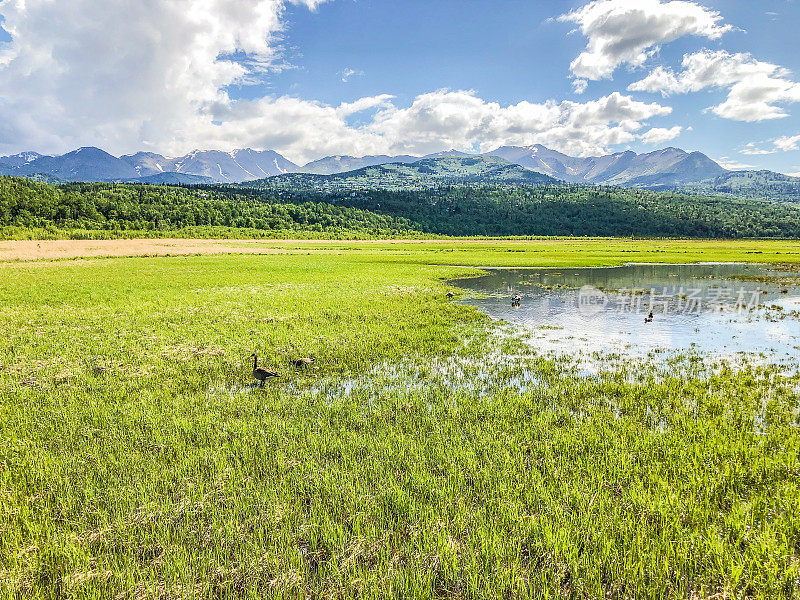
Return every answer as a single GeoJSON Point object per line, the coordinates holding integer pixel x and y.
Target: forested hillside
{"type": "Point", "coordinates": [576, 210]}
{"type": "Point", "coordinates": [425, 174]}
{"type": "Point", "coordinates": [452, 210]}
{"type": "Point", "coordinates": [759, 185]}
{"type": "Point", "coordinates": [99, 206]}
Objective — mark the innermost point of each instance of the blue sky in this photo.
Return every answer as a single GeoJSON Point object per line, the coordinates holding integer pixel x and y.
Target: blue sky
{"type": "Point", "coordinates": [319, 56]}
{"type": "Point", "coordinates": [511, 51]}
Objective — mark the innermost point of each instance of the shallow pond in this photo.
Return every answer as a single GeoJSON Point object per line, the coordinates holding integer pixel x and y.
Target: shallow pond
{"type": "Point", "coordinates": [728, 311]}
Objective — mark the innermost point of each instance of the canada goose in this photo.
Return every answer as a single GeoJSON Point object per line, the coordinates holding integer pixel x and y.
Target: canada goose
{"type": "Point", "coordinates": [451, 295]}
{"type": "Point", "coordinates": [649, 318]}
{"type": "Point", "coordinates": [261, 374]}
{"type": "Point", "coordinates": [516, 300]}
{"type": "Point", "coordinates": [304, 362]}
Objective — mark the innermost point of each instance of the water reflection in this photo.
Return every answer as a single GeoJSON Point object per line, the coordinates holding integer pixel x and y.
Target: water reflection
{"type": "Point", "coordinates": [729, 311]}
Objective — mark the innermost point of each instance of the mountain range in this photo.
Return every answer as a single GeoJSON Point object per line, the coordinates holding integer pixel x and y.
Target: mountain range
{"type": "Point", "coordinates": [666, 167]}
{"type": "Point", "coordinates": [331, 165]}
{"type": "Point", "coordinates": [220, 167]}
{"type": "Point", "coordinates": [198, 167]}
{"type": "Point", "coordinates": [670, 168]}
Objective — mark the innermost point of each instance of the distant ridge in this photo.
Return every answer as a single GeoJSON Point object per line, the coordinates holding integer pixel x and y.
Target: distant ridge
{"type": "Point", "coordinates": [83, 164]}
{"type": "Point", "coordinates": [669, 168]}
{"type": "Point", "coordinates": [424, 173]}
{"type": "Point", "coordinates": [94, 164]}
{"type": "Point", "coordinates": [18, 160]}
{"type": "Point", "coordinates": [173, 178]}
{"type": "Point", "coordinates": [762, 185]}
{"type": "Point", "coordinates": [341, 164]}
{"type": "Point", "coordinates": [218, 166]}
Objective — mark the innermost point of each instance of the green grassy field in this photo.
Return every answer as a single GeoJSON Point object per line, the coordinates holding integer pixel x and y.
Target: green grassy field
{"type": "Point", "coordinates": [136, 461]}
{"type": "Point", "coordinates": [545, 252]}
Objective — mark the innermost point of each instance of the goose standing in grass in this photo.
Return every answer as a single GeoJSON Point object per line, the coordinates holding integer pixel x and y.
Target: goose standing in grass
{"type": "Point", "coordinates": [261, 374]}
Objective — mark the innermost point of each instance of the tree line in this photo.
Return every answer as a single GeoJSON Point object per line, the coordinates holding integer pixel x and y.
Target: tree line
{"type": "Point", "coordinates": [466, 210]}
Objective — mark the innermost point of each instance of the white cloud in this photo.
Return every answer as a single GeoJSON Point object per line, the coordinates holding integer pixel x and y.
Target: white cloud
{"type": "Point", "coordinates": [346, 109]}
{"type": "Point", "coordinates": [459, 119]}
{"type": "Point", "coordinates": [782, 144]}
{"type": "Point", "coordinates": [788, 143]}
{"type": "Point", "coordinates": [579, 85]}
{"type": "Point", "coordinates": [116, 71]}
{"type": "Point", "coordinates": [630, 31]}
{"type": "Point", "coordinates": [659, 135]}
{"type": "Point", "coordinates": [733, 165]}
{"type": "Point", "coordinates": [753, 149]}
{"type": "Point", "coordinates": [160, 84]}
{"type": "Point", "coordinates": [300, 129]}
{"type": "Point", "coordinates": [434, 121]}
{"type": "Point", "coordinates": [754, 87]}
{"type": "Point", "coordinates": [347, 73]}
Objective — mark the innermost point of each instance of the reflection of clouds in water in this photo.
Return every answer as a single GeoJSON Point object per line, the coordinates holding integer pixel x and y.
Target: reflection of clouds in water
{"type": "Point", "coordinates": [556, 324]}
{"type": "Point", "coordinates": [790, 303]}
{"type": "Point", "coordinates": [779, 333]}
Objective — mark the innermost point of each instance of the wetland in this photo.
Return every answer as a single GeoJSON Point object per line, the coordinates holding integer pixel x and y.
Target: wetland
{"type": "Point", "coordinates": [438, 447]}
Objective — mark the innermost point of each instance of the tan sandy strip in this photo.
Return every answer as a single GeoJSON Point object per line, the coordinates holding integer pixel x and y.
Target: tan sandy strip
{"type": "Point", "coordinates": [61, 249]}
{"type": "Point", "coordinates": [56, 249]}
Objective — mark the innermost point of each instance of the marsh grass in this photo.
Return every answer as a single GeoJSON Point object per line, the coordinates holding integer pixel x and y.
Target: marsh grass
{"type": "Point", "coordinates": [137, 463]}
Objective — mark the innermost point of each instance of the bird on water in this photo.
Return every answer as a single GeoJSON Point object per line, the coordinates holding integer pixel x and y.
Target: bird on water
{"type": "Point", "coordinates": [261, 374]}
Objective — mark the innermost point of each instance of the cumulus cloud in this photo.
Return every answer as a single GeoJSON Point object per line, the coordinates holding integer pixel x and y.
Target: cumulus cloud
{"type": "Point", "coordinates": [459, 119]}
{"type": "Point", "coordinates": [154, 75]}
{"type": "Point", "coordinates": [659, 135]}
{"type": "Point", "coordinates": [755, 88]}
{"type": "Point", "coordinates": [434, 121]}
{"type": "Point", "coordinates": [115, 71]}
{"type": "Point", "coordinates": [579, 85]}
{"type": "Point", "coordinates": [630, 31]}
{"type": "Point", "coordinates": [788, 143]}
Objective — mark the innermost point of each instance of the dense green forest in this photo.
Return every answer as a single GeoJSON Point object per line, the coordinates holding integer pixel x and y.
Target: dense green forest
{"type": "Point", "coordinates": [424, 174]}
{"type": "Point", "coordinates": [136, 207]}
{"type": "Point", "coordinates": [575, 210]}
{"type": "Point", "coordinates": [761, 185]}
{"type": "Point", "coordinates": [451, 210]}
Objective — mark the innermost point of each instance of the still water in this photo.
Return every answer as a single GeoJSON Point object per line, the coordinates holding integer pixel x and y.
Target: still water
{"type": "Point", "coordinates": [722, 311]}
